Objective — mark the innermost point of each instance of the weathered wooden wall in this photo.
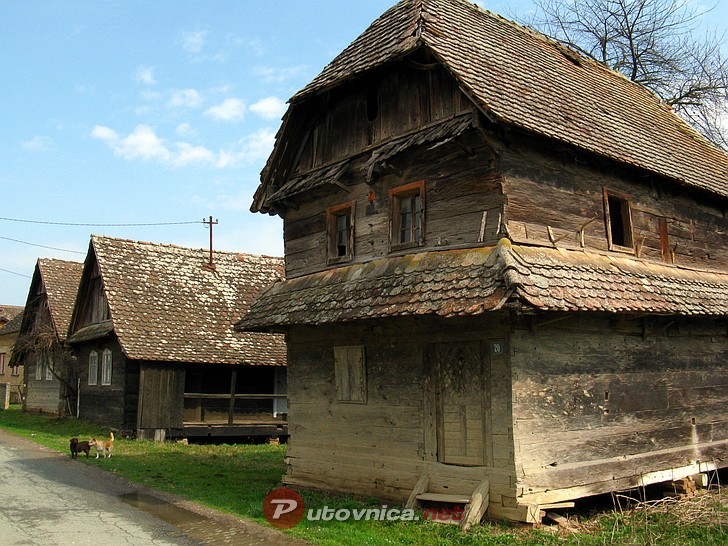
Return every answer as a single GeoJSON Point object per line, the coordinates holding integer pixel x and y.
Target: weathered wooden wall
{"type": "Point", "coordinates": [600, 401]}
{"type": "Point", "coordinates": [41, 395]}
{"type": "Point", "coordinates": [381, 447]}
{"type": "Point", "coordinates": [370, 111]}
{"type": "Point", "coordinates": [112, 405]}
{"type": "Point", "coordinates": [459, 190]}
{"type": "Point", "coordinates": [161, 388]}
{"type": "Point", "coordinates": [557, 191]}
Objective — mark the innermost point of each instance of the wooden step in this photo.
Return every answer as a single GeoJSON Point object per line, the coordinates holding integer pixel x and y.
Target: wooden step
{"type": "Point", "coordinates": [443, 497]}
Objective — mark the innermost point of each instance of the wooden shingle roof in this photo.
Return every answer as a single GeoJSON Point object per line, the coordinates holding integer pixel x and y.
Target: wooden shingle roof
{"type": "Point", "coordinates": [7, 312]}
{"type": "Point", "coordinates": [167, 305]}
{"type": "Point", "coordinates": [474, 281]}
{"type": "Point", "coordinates": [60, 278]}
{"type": "Point", "coordinates": [520, 78]}
{"type": "Point", "coordinates": [15, 316]}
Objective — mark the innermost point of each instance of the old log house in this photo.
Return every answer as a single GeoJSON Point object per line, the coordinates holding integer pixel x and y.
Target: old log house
{"type": "Point", "coordinates": [51, 371]}
{"type": "Point", "coordinates": [506, 272]}
{"type": "Point", "coordinates": [152, 328]}
{"type": "Point", "coordinates": [11, 369]}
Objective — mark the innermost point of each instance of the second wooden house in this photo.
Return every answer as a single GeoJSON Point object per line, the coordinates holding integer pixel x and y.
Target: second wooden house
{"type": "Point", "coordinates": [152, 329]}
{"type": "Point", "coordinates": [51, 371]}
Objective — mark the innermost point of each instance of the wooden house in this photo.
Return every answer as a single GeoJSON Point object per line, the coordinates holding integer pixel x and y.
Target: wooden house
{"type": "Point", "coordinates": [51, 374]}
{"type": "Point", "coordinates": [152, 328]}
{"type": "Point", "coordinates": [506, 271]}
{"type": "Point", "coordinates": [11, 370]}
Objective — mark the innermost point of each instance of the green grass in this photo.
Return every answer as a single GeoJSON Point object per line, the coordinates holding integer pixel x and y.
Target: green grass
{"type": "Point", "coordinates": [236, 478]}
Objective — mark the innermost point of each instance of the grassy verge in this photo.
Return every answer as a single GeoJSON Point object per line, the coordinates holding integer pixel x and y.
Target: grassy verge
{"type": "Point", "coordinates": [236, 478]}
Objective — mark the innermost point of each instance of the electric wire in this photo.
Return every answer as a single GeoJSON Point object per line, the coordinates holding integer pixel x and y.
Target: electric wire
{"type": "Point", "coordinates": [97, 225]}
{"type": "Point", "coordinates": [15, 273]}
{"type": "Point", "coordinates": [41, 246]}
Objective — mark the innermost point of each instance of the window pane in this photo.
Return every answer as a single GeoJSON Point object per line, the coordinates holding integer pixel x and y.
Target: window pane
{"type": "Point", "coordinates": [405, 215]}
{"type": "Point", "coordinates": [49, 369]}
{"type": "Point", "coordinates": [93, 368]}
{"type": "Point", "coordinates": [342, 235]}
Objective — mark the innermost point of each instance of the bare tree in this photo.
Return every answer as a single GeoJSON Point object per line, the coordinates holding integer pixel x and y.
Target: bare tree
{"type": "Point", "coordinates": [652, 42]}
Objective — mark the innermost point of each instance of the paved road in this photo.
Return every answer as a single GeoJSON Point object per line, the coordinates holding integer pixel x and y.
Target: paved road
{"type": "Point", "coordinates": [48, 498]}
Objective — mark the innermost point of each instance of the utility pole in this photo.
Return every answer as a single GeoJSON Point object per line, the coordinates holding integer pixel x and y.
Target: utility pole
{"type": "Point", "coordinates": [210, 223]}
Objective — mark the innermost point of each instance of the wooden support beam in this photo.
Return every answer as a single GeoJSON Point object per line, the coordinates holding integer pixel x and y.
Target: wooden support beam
{"type": "Point", "coordinates": [477, 507]}
{"type": "Point", "coordinates": [233, 381]}
{"type": "Point", "coordinates": [420, 487]}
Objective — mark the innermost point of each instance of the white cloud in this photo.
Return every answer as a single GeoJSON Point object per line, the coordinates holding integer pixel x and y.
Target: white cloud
{"type": "Point", "coordinates": [37, 143]}
{"type": "Point", "coordinates": [145, 75]}
{"type": "Point", "coordinates": [228, 110]}
{"type": "Point", "coordinates": [187, 154]}
{"type": "Point", "coordinates": [143, 110]}
{"type": "Point", "coordinates": [150, 95]}
{"type": "Point", "coordinates": [193, 42]}
{"type": "Point", "coordinates": [185, 130]}
{"type": "Point", "coordinates": [104, 133]}
{"type": "Point", "coordinates": [279, 75]}
{"type": "Point", "coordinates": [186, 98]}
{"type": "Point", "coordinates": [143, 143]}
{"type": "Point", "coordinates": [256, 146]}
{"type": "Point", "coordinates": [269, 108]}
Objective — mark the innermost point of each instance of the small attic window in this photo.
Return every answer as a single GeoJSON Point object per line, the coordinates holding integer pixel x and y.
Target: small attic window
{"type": "Point", "coordinates": [618, 216]}
{"type": "Point", "coordinates": [372, 101]}
{"type": "Point", "coordinates": [570, 54]}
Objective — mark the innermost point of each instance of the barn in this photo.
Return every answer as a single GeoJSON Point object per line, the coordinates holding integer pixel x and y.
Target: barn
{"type": "Point", "coordinates": [152, 328]}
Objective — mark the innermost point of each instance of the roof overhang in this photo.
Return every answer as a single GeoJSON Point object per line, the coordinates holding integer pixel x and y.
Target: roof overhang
{"type": "Point", "coordinates": [474, 281]}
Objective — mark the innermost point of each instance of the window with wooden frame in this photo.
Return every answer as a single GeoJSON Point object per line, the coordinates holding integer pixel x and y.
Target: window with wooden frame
{"type": "Point", "coordinates": [106, 367]}
{"type": "Point", "coordinates": [15, 370]}
{"type": "Point", "coordinates": [350, 374]}
{"type": "Point", "coordinates": [93, 368]}
{"type": "Point", "coordinates": [2, 363]}
{"type": "Point", "coordinates": [340, 233]}
{"type": "Point", "coordinates": [39, 368]}
{"type": "Point", "coordinates": [407, 222]}
{"type": "Point", "coordinates": [618, 218]}
{"type": "Point", "coordinates": [49, 368]}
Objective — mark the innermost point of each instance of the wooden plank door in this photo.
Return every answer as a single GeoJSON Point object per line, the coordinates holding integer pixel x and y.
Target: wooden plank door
{"type": "Point", "coordinates": [459, 383]}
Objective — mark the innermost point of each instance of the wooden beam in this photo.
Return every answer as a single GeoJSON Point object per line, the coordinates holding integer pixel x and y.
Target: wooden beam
{"type": "Point", "coordinates": [420, 487]}
{"type": "Point", "coordinates": [477, 507]}
{"type": "Point", "coordinates": [233, 380]}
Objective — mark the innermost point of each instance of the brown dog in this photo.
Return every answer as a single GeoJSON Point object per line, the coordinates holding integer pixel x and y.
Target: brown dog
{"type": "Point", "coordinates": [103, 446]}
{"type": "Point", "coordinates": [78, 447]}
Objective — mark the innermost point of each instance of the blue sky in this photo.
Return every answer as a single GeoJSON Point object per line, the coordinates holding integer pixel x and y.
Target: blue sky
{"type": "Point", "coordinates": [152, 112]}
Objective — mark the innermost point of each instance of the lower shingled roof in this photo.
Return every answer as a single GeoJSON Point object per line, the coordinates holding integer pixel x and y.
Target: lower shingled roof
{"type": "Point", "coordinates": [473, 281]}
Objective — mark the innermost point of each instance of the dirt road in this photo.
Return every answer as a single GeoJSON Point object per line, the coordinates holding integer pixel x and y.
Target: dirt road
{"type": "Point", "coordinates": [48, 498]}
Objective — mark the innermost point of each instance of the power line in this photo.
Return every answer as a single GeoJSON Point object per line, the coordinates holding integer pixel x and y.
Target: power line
{"type": "Point", "coordinates": [41, 246]}
{"type": "Point", "coordinates": [15, 273]}
{"type": "Point", "coordinates": [96, 225]}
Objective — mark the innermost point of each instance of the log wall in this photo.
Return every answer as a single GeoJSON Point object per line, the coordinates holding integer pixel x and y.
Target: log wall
{"type": "Point", "coordinates": [600, 401]}
{"type": "Point", "coordinates": [42, 395]}
{"type": "Point", "coordinates": [381, 447]}
{"type": "Point", "coordinates": [114, 405]}
{"type": "Point", "coordinates": [373, 110]}
{"type": "Point", "coordinates": [567, 195]}
{"type": "Point", "coordinates": [463, 197]}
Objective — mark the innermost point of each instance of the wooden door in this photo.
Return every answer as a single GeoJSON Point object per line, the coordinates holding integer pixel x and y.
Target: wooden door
{"type": "Point", "coordinates": [458, 370]}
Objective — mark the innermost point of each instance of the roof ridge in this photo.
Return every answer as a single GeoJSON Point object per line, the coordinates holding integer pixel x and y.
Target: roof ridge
{"type": "Point", "coordinates": [173, 246]}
